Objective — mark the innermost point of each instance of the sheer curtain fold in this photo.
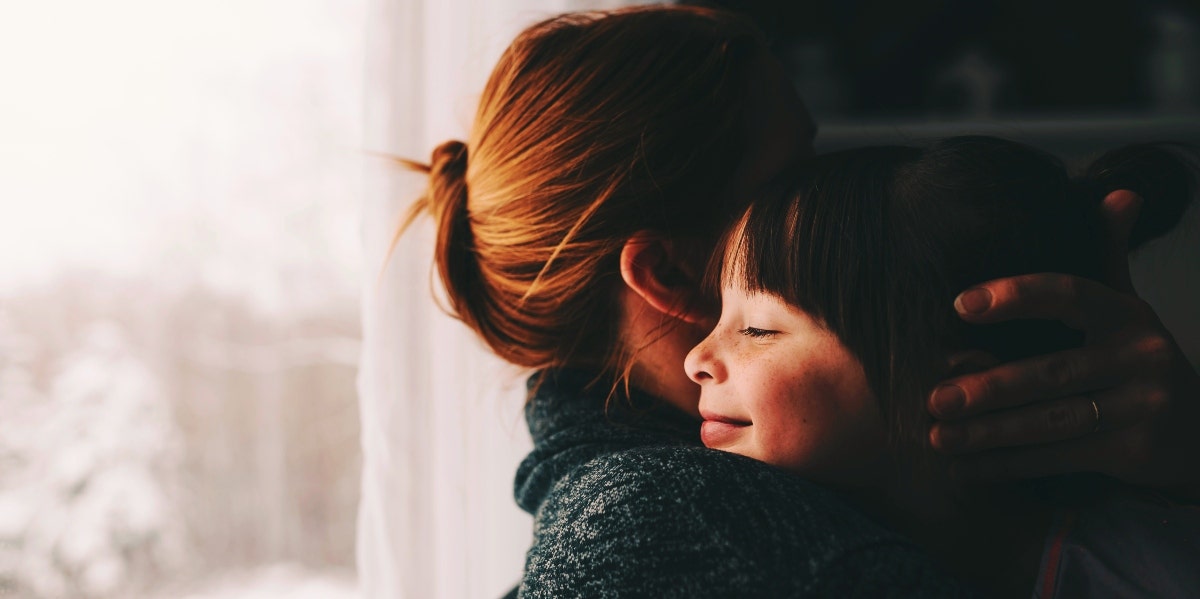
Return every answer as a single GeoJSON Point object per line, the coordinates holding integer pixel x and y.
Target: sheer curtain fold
{"type": "Point", "coordinates": [442, 429]}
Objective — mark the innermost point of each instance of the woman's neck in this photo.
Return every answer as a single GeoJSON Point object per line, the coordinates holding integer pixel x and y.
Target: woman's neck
{"type": "Point", "coordinates": [659, 344]}
{"type": "Point", "coordinates": [991, 537]}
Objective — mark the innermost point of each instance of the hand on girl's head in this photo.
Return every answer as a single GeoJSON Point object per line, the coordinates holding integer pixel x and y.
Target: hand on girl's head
{"type": "Point", "coordinates": [1036, 417]}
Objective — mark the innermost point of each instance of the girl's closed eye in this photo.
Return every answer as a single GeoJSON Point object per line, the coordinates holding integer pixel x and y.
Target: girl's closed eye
{"type": "Point", "coordinates": [757, 333]}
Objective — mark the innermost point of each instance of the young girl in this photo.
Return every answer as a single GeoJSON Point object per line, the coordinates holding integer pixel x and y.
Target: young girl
{"type": "Point", "coordinates": [836, 324]}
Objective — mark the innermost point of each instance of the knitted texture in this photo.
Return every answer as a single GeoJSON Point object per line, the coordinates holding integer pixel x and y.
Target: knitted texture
{"type": "Point", "coordinates": [626, 503]}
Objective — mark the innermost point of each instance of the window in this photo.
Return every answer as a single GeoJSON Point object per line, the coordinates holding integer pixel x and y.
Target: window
{"type": "Point", "coordinates": [179, 297]}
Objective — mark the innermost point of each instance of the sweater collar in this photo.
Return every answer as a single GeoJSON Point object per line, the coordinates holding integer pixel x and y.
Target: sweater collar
{"type": "Point", "coordinates": [571, 425]}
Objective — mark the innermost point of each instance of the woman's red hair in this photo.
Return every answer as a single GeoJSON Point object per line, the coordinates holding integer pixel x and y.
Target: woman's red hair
{"type": "Point", "coordinates": [592, 126]}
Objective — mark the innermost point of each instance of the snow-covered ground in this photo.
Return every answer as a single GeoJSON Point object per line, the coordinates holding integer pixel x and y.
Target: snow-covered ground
{"type": "Point", "coordinates": [179, 273]}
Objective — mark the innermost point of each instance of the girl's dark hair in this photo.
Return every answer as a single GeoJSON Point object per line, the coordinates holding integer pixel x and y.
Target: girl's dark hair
{"type": "Point", "coordinates": [877, 242]}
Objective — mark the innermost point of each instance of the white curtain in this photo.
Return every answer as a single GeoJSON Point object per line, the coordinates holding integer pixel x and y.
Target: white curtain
{"type": "Point", "coordinates": [442, 425]}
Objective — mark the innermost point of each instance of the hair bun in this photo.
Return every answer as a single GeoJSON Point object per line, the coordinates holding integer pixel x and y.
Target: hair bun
{"type": "Point", "coordinates": [1164, 174]}
{"type": "Point", "coordinates": [448, 183]}
{"type": "Point", "coordinates": [450, 158]}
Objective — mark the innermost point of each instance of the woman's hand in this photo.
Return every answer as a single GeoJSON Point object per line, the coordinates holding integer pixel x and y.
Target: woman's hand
{"type": "Point", "coordinates": [1126, 404]}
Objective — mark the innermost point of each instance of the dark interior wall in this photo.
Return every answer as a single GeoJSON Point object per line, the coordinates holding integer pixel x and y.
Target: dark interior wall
{"type": "Point", "coordinates": [985, 58]}
{"type": "Point", "coordinates": [1070, 76]}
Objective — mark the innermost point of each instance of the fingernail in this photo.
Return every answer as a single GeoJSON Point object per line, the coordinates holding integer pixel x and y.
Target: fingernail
{"type": "Point", "coordinates": [1126, 199]}
{"type": "Point", "coordinates": [948, 400]}
{"type": "Point", "coordinates": [974, 301]}
{"type": "Point", "coordinates": [950, 438]}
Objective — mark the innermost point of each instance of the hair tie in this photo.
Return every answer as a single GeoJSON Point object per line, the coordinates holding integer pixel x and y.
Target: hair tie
{"type": "Point", "coordinates": [448, 174]}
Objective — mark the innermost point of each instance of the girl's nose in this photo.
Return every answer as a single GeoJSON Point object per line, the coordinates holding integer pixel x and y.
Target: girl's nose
{"type": "Point", "coordinates": [701, 365]}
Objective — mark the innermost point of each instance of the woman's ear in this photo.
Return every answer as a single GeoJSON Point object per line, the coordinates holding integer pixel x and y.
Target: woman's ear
{"type": "Point", "coordinates": [663, 274]}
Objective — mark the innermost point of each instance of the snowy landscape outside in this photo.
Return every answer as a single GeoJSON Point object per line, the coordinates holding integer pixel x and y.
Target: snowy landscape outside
{"type": "Point", "coordinates": [179, 298]}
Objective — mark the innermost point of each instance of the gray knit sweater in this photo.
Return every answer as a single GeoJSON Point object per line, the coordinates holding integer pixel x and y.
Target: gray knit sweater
{"type": "Point", "coordinates": [626, 503]}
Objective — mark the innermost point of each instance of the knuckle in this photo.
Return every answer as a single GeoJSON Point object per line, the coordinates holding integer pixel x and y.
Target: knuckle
{"type": "Point", "coordinates": [1155, 348]}
{"type": "Point", "coordinates": [980, 435]}
{"type": "Point", "coordinates": [1072, 290]}
{"type": "Point", "coordinates": [1011, 290]}
{"type": "Point", "coordinates": [1156, 400]}
{"type": "Point", "coordinates": [1059, 371]}
{"type": "Point", "coordinates": [1062, 421]}
{"type": "Point", "coordinates": [980, 394]}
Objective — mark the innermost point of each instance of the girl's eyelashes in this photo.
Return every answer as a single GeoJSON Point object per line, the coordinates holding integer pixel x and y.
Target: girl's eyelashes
{"type": "Point", "coordinates": [757, 333]}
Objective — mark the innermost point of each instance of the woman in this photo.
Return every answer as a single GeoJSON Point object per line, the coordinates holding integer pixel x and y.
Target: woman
{"type": "Point", "coordinates": [573, 227]}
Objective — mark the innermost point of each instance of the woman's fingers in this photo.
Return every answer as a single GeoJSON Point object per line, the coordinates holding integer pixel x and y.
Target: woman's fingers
{"type": "Point", "coordinates": [1035, 417]}
{"type": "Point", "coordinates": [1079, 303]}
{"type": "Point", "coordinates": [1119, 211]}
{"type": "Point", "coordinates": [1040, 423]}
{"type": "Point", "coordinates": [1018, 383]}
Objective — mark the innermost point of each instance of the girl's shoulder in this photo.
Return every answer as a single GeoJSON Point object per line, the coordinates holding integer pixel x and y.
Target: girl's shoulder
{"type": "Point", "coordinates": [1128, 544]}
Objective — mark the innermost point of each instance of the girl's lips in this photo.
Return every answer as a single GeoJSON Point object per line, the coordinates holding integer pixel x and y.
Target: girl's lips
{"type": "Point", "coordinates": [718, 433]}
{"type": "Point", "coordinates": [706, 415]}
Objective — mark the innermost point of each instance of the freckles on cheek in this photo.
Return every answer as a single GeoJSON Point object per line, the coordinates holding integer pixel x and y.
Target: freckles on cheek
{"type": "Point", "coordinates": [791, 446]}
{"type": "Point", "coordinates": [743, 352]}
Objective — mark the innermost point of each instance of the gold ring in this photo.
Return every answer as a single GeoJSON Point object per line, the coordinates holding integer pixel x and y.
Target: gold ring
{"type": "Point", "coordinates": [1096, 412]}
